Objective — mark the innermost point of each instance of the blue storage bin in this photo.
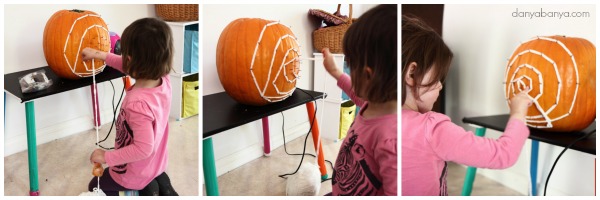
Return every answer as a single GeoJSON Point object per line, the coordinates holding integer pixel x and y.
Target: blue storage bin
{"type": "Point", "coordinates": [346, 71]}
{"type": "Point", "coordinates": [191, 48]}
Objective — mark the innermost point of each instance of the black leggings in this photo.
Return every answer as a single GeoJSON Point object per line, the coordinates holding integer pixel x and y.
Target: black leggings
{"type": "Point", "coordinates": [161, 185]}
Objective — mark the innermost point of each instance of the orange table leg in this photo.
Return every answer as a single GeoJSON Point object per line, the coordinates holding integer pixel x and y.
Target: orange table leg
{"type": "Point", "coordinates": [127, 82]}
{"type": "Point", "coordinates": [310, 107]}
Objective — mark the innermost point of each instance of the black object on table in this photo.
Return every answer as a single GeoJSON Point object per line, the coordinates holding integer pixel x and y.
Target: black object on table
{"type": "Point", "coordinates": [220, 112]}
{"type": "Point", "coordinates": [498, 122]}
{"type": "Point", "coordinates": [11, 82]}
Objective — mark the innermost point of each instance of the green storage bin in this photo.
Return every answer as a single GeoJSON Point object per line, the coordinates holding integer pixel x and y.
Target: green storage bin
{"type": "Point", "coordinates": [347, 113]}
{"type": "Point", "coordinates": [189, 106]}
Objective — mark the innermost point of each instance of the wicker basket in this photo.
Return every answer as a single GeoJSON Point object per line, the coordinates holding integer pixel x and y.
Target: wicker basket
{"type": "Point", "coordinates": [177, 12]}
{"type": "Point", "coordinates": [331, 37]}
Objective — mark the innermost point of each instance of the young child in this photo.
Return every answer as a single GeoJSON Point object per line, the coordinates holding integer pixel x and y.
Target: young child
{"type": "Point", "coordinates": [367, 161]}
{"type": "Point", "coordinates": [140, 157]}
{"type": "Point", "coordinates": [429, 139]}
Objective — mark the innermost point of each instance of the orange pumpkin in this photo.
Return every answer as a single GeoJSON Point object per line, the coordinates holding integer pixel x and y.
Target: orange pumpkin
{"type": "Point", "coordinates": [561, 72]}
{"type": "Point", "coordinates": [257, 61]}
{"type": "Point", "coordinates": [68, 32]}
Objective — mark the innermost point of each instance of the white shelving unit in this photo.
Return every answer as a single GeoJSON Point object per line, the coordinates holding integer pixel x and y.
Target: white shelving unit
{"type": "Point", "coordinates": [178, 30]}
{"type": "Point", "coordinates": [323, 82]}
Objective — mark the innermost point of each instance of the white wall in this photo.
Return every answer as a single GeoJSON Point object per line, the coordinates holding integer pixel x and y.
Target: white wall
{"type": "Point", "coordinates": [66, 113]}
{"type": "Point", "coordinates": [482, 37]}
{"type": "Point", "coordinates": [240, 145]}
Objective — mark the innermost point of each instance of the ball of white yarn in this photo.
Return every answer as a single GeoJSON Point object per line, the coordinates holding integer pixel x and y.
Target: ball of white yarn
{"type": "Point", "coordinates": [306, 182]}
{"type": "Point", "coordinates": [96, 192]}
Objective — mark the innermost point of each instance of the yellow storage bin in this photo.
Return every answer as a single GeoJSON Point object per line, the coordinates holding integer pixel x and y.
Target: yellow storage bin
{"type": "Point", "coordinates": [346, 117]}
{"type": "Point", "coordinates": [189, 106]}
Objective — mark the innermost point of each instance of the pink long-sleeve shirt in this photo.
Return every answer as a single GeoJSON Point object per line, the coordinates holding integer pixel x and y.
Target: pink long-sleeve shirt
{"type": "Point", "coordinates": [430, 139]}
{"type": "Point", "coordinates": [142, 128]}
{"type": "Point", "coordinates": [367, 161]}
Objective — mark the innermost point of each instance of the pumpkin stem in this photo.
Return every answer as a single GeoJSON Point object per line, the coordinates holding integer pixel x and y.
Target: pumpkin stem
{"type": "Point", "coordinates": [77, 10]}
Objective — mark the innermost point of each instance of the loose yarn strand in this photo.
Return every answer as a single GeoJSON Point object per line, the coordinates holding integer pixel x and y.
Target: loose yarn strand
{"type": "Point", "coordinates": [96, 190]}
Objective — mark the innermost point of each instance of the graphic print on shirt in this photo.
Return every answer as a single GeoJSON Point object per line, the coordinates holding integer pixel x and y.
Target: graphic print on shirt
{"type": "Point", "coordinates": [352, 174]}
{"type": "Point", "coordinates": [124, 137]}
{"type": "Point", "coordinates": [443, 186]}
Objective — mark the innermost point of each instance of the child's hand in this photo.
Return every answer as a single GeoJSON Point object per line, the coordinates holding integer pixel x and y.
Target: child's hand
{"type": "Point", "coordinates": [97, 156]}
{"type": "Point", "coordinates": [519, 105]}
{"type": "Point", "coordinates": [329, 64]}
{"type": "Point", "coordinates": [89, 53]}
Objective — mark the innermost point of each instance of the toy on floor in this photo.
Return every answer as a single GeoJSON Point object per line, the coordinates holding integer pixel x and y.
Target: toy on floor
{"type": "Point", "coordinates": [306, 182]}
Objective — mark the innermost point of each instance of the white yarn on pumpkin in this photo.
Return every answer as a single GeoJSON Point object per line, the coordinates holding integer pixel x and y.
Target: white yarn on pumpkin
{"type": "Point", "coordinates": [281, 94]}
{"type": "Point", "coordinates": [543, 117]}
{"type": "Point", "coordinates": [74, 66]}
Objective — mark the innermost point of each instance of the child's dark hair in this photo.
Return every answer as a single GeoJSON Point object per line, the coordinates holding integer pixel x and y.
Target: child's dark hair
{"type": "Point", "coordinates": [147, 49]}
{"type": "Point", "coordinates": [422, 45]}
{"type": "Point", "coordinates": [372, 41]}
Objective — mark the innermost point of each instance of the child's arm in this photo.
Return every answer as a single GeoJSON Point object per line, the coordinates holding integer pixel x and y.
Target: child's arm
{"type": "Point", "coordinates": [345, 83]}
{"type": "Point", "coordinates": [330, 65]}
{"type": "Point", "coordinates": [453, 143]}
{"type": "Point", "coordinates": [343, 80]}
{"type": "Point", "coordinates": [139, 123]}
{"type": "Point", "coordinates": [112, 60]}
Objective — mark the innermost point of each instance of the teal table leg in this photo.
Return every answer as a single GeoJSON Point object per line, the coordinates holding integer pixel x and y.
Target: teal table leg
{"type": "Point", "coordinates": [535, 147]}
{"type": "Point", "coordinates": [32, 149]}
{"type": "Point", "coordinates": [471, 171]}
{"type": "Point", "coordinates": [210, 170]}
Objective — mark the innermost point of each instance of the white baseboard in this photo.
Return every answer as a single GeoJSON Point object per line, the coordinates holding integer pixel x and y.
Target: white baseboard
{"type": "Point", "coordinates": [255, 151]}
{"type": "Point", "coordinates": [17, 144]}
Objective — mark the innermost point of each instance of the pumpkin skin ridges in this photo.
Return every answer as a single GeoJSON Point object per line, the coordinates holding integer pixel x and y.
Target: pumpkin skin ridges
{"type": "Point", "coordinates": [580, 119]}
{"type": "Point", "coordinates": [248, 91]}
{"type": "Point", "coordinates": [591, 83]}
{"type": "Point", "coordinates": [235, 51]}
{"type": "Point", "coordinates": [583, 112]}
{"type": "Point", "coordinates": [55, 36]}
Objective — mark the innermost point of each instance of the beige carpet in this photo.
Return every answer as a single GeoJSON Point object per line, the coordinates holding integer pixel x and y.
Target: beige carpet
{"type": "Point", "coordinates": [260, 177]}
{"type": "Point", "coordinates": [482, 186]}
{"type": "Point", "coordinates": [64, 167]}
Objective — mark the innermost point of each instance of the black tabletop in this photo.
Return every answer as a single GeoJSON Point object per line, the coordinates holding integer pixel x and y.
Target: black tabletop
{"type": "Point", "coordinates": [498, 122]}
{"type": "Point", "coordinates": [220, 112]}
{"type": "Point", "coordinates": [11, 82]}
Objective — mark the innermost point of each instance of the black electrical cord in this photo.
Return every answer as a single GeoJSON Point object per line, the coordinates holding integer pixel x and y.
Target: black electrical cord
{"type": "Point", "coordinates": [114, 115]}
{"type": "Point", "coordinates": [303, 150]}
{"type": "Point", "coordinates": [305, 139]}
{"type": "Point", "coordinates": [561, 153]}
